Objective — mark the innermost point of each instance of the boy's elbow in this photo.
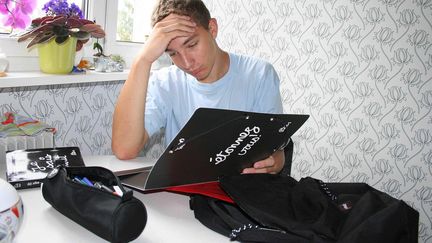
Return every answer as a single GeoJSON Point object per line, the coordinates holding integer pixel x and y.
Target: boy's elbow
{"type": "Point", "coordinates": [124, 153]}
{"type": "Point", "coordinates": [125, 149]}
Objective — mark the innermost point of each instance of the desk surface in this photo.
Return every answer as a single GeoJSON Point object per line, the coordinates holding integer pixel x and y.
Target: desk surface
{"type": "Point", "coordinates": [169, 217]}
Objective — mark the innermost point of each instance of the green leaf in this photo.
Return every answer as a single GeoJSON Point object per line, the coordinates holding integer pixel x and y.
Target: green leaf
{"type": "Point", "coordinates": [61, 39]}
{"type": "Point", "coordinates": [60, 30]}
{"type": "Point", "coordinates": [95, 30]}
{"type": "Point", "coordinates": [31, 33]}
{"type": "Point", "coordinates": [74, 23]}
{"type": "Point", "coordinates": [98, 47]}
{"type": "Point", "coordinates": [81, 35]}
{"type": "Point", "coordinates": [41, 38]}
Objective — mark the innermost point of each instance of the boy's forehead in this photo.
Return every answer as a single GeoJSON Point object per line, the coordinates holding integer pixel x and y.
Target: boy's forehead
{"type": "Point", "coordinates": [177, 42]}
{"type": "Point", "coordinates": [181, 41]}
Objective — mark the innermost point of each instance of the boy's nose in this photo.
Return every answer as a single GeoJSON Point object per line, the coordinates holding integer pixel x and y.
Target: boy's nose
{"type": "Point", "coordinates": [187, 62]}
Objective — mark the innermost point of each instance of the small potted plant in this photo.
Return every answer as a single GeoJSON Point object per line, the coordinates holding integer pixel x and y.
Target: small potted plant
{"type": "Point", "coordinates": [59, 34]}
{"type": "Point", "coordinates": [106, 63]}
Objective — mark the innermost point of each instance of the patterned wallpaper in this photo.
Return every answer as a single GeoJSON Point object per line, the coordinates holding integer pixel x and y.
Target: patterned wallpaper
{"type": "Point", "coordinates": [81, 113]}
{"type": "Point", "coordinates": [362, 69]}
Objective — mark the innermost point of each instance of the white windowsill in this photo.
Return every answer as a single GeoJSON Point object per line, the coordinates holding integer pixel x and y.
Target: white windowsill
{"type": "Point", "coordinates": [23, 79]}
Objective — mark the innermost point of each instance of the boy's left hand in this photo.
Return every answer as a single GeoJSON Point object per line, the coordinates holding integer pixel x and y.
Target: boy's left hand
{"type": "Point", "coordinates": [272, 164]}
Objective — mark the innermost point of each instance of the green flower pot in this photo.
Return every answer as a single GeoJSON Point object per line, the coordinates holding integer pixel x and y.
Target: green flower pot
{"type": "Point", "coordinates": [57, 58]}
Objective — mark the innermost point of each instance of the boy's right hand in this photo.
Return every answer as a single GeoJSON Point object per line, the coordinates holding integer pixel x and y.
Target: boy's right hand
{"type": "Point", "coordinates": [169, 28]}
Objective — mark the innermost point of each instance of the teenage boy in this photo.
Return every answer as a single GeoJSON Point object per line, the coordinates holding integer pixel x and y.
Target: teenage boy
{"type": "Point", "coordinates": [204, 75]}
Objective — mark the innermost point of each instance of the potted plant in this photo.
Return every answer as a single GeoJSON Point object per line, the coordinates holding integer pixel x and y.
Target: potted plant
{"type": "Point", "coordinates": [59, 34]}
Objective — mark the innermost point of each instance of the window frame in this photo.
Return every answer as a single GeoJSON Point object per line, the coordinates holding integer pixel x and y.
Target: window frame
{"type": "Point", "coordinates": [127, 50]}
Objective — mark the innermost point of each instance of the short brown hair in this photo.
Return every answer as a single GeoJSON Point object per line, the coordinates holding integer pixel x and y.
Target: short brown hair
{"type": "Point", "coordinates": [195, 9]}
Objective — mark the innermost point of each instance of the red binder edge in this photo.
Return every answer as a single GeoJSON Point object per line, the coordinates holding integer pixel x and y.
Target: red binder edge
{"type": "Point", "coordinates": [210, 189]}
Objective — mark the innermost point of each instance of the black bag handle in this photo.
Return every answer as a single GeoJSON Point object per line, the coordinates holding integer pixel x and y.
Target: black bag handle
{"type": "Point", "coordinates": [233, 216]}
{"type": "Point", "coordinates": [230, 214]}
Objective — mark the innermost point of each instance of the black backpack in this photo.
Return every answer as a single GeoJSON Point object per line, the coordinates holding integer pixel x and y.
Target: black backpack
{"type": "Point", "coordinates": [276, 208]}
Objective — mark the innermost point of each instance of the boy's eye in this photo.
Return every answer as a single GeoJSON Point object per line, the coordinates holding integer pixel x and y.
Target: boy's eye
{"type": "Point", "coordinates": [193, 44]}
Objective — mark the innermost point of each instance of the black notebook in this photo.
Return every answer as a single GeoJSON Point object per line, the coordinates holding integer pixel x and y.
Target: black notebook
{"type": "Point", "coordinates": [216, 142]}
{"type": "Point", "coordinates": [27, 168]}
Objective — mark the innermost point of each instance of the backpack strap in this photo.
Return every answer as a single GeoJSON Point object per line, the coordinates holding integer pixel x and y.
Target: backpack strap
{"type": "Point", "coordinates": [231, 221]}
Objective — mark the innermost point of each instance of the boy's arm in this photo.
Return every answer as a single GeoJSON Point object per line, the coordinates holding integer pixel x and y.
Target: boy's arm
{"type": "Point", "coordinates": [128, 132]}
{"type": "Point", "coordinates": [269, 100]}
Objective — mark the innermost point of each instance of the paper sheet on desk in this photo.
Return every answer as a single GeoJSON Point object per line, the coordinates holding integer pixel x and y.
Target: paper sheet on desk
{"type": "Point", "coordinates": [120, 167]}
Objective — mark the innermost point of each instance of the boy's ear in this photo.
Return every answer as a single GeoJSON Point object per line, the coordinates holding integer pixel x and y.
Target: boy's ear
{"type": "Point", "coordinates": [213, 27]}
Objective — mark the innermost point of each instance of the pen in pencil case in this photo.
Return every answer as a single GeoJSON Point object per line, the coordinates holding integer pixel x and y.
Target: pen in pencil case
{"type": "Point", "coordinates": [87, 181]}
{"type": "Point", "coordinates": [118, 190]}
{"type": "Point", "coordinates": [78, 180]}
{"type": "Point", "coordinates": [103, 187]}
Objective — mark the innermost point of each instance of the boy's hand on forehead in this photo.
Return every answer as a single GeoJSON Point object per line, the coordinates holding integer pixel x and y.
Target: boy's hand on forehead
{"type": "Point", "coordinates": [176, 21]}
{"type": "Point", "coordinates": [169, 28]}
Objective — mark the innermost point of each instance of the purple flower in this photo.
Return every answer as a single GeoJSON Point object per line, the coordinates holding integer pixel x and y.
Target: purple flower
{"type": "Point", "coordinates": [17, 20]}
{"type": "Point", "coordinates": [56, 7]}
{"type": "Point", "coordinates": [27, 6]}
{"type": "Point", "coordinates": [17, 12]}
{"type": "Point", "coordinates": [75, 10]}
{"type": "Point", "coordinates": [61, 7]}
{"type": "Point", "coordinates": [5, 5]}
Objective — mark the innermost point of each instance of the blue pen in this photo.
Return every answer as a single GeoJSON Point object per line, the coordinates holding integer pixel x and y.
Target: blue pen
{"type": "Point", "coordinates": [87, 181]}
{"type": "Point", "coordinates": [77, 179]}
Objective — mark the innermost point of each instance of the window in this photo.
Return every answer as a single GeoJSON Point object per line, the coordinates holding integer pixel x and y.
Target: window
{"type": "Point", "coordinates": [133, 21]}
{"type": "Point", "coordinates": [127, 28]}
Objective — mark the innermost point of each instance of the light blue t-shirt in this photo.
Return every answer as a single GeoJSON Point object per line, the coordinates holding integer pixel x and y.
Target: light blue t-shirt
{"type": "Point", "coordinates": [173, 95]}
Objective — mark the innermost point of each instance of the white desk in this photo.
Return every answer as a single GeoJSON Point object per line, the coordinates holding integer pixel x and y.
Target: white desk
{"type": "Point", "coordinates": [169, 217]}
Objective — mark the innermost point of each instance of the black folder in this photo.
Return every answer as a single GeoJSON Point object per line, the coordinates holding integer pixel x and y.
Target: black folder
{"type": "Point", "coordinates": [217, 142]}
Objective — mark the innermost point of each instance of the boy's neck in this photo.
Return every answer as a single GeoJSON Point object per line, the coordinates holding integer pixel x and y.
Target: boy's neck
{"type": "Point", "coordinates": [222, 64]}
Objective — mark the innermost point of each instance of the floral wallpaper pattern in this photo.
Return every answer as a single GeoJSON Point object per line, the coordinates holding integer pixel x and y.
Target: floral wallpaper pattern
{"type": "Point", "coordinates": [362, 69]}
{"type": "Point", "coordinates": [81, 113]}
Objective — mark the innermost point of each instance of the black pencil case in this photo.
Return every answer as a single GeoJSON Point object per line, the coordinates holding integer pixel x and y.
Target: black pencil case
{"type": "Point", "coordinates": [111, 216]}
